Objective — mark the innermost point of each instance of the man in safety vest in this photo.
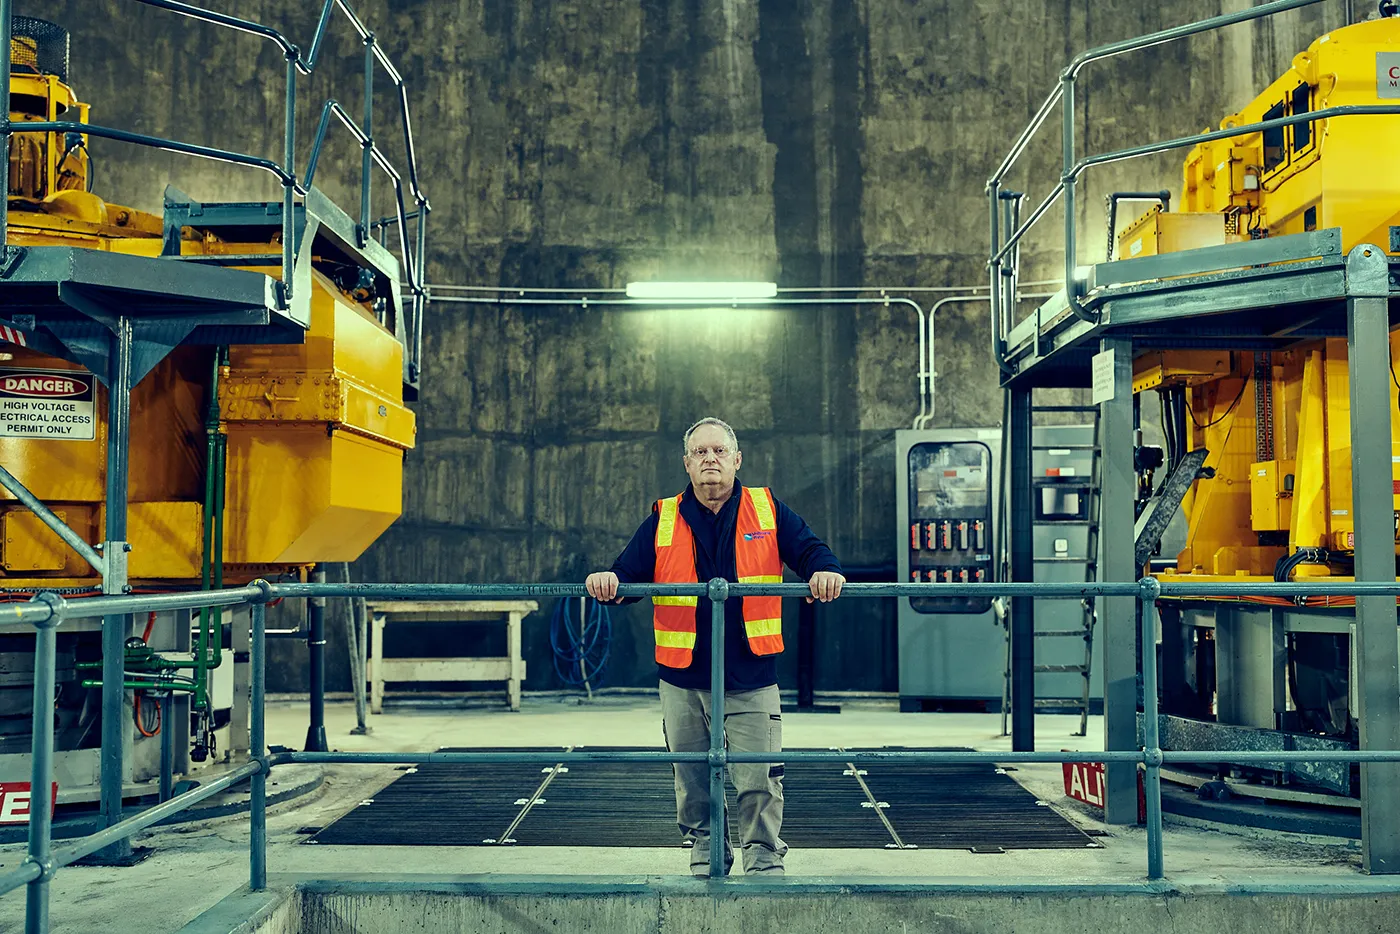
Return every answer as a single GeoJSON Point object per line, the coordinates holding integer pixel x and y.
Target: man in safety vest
{"type": "Point", "coordinates": [743, 534]}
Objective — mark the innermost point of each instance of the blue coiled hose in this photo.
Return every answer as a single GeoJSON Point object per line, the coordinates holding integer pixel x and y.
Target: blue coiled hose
{"type": "Point", "coordinates": [591, 646]}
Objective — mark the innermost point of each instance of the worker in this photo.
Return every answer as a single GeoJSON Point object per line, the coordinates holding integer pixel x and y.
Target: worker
{"type": "Point", "coordinates": [743, 534]}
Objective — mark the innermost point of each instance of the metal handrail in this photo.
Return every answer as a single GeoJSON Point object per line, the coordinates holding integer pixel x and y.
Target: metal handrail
{"type": "Point", "coordinates": [413, 258]}
{"type": "Point", "coordinates": [1063, 94]}
{"type": "Point", "coordinates": [1180, 142]}
{"type": "Point", "coordinates": [47, 611]}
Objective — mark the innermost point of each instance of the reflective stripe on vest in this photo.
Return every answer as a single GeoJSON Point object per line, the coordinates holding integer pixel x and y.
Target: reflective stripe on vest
{"type": "Point", "coordinates": [756, 562]}
{"type": "Point", "coordinates": [673, 618]}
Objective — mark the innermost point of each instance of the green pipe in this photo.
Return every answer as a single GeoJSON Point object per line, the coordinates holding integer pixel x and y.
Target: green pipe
{"type": "Point", "coordinates": [145, 686]}
{"type": "Point", "coordinates": [202, 662]}
{"type": "Point", "coordinates": [216, 628]}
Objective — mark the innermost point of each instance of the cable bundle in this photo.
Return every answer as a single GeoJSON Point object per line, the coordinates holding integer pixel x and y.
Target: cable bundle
{"type": "Point", "coordinates": [581, 652]}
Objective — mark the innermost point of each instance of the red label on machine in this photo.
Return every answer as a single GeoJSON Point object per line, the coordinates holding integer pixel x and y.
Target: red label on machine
{"type": "Point", "coordinates": [42, 385]}
{"type": "Point", "coordinates": [14, 802]}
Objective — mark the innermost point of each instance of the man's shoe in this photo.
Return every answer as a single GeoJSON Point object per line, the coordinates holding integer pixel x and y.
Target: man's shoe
{"type": "Point", "coordinates": [768, 871]}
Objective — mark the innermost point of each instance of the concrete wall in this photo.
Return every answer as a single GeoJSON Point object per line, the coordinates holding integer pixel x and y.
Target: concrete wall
{"type": "Point", "coordinates": [583, 144]}
{"type": "Point", "coordinates": [874, 909]}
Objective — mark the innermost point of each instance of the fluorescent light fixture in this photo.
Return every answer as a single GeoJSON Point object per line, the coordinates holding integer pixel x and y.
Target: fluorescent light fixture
{"type": "Point", "coordinates": [701, 290]}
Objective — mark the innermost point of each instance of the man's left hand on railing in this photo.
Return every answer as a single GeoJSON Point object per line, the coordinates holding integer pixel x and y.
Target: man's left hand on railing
{"type": "Point", "coordinates": [825, 586]}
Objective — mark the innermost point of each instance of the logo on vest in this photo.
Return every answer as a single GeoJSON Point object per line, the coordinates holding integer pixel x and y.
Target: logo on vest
{"type": "Point", "coordinates": [750, 536]}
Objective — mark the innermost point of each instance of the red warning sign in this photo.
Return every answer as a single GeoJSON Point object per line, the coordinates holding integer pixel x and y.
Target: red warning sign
{"type": "Point", "coordinates": [47, 404]}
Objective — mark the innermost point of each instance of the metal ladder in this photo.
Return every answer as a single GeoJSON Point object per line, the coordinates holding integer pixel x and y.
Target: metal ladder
{"type": "Point", "coordinates": [1090, 560]}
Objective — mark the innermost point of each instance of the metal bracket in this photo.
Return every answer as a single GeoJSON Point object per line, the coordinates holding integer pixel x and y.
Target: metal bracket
{"type": "Point", "coordinates": [1368, 272]}
{"type": "Point", "coordinates": [114, 579]}
{"type": "Point", "coordinates": [1154, 519]}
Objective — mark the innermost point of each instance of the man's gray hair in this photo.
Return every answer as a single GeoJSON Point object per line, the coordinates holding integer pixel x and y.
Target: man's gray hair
{"type": "Point", "coordinates": [685, 439]}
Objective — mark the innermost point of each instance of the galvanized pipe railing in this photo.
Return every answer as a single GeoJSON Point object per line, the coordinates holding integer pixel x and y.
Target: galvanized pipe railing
{"type": "Point", "coordinates": [412, 257]}
{"type": "Point", "coordinates": [47, 611]}
{"type": "Point", "coordinates": [1064, 94]}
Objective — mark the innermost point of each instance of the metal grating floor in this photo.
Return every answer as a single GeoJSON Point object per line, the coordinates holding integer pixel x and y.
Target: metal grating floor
{"type": "Point", "coordinates": [633, 805]}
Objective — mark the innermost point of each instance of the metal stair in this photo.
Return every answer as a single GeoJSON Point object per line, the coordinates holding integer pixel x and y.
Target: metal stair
{"type": "Point", "coordinates": [1090, 562]}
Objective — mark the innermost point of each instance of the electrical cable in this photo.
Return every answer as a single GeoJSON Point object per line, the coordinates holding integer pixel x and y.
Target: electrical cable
{"type": "Point", "coordinates": [58, 170]}
{"type": "Point", "coordinates": [1167, 435]}
{"type": "Point", "coordinates": [581, 652]}
{"type": "Point", "coordinates": [147, 724]}
{"type": "Point", "coordinates": [1223, 415]}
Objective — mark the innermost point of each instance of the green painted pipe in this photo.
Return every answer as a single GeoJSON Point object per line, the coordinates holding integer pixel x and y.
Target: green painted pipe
{"type": "Point", "coordinates": [146, 686]}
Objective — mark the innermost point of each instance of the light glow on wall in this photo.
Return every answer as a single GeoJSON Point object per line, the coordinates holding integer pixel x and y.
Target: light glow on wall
{"type": "Point", "coordinates": [692, 291]}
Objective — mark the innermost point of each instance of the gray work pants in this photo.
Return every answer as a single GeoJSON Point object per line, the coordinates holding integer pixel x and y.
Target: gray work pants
{"type": "Point", "coordinates": [752, 723]}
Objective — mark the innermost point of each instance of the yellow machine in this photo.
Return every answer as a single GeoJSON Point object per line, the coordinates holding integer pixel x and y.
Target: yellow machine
{"type": "Point", "coordinates": [1277, 423]}
{"type": "Point", "coordinates": [298, 460]}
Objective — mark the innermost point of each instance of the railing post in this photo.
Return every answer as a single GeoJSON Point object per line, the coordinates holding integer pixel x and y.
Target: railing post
{"type": "Point", "coordinates": [362, 232]}
{"type": "Point", "coordinates": [36, 913]}
{"type": "Point", "coordinates": [1148, 592]}
{"type": "Point", "coordinates": [289, 167]}
{"type": "Point", "coordinates": [1377, 715]}
{"type": "Point", "coordinates": [1115, 635]}
{"type": "Point", "coordinates": [116, 628]}
{"type": "Point", "coordinates": [257, 842]}
{"type": "Point", "coordinates": [719, 593]}
{"type": "Point", "coordinates": [6, 11]}
{"type": "Point", "coordinates": [1067, 178]}
{"type": "Point", "coordinates": [415, 367]}
{"type": "Point", "coordinates": [167, 742]}
{"type": "Point", "coordinates": [994, 271]}
{"type": "Point", "coordinates": [1021, 629]}
{"type": "Point", "coordinates": [316, 649]}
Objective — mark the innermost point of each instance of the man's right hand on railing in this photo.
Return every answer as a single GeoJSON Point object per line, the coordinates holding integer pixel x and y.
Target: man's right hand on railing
{"type": "Point", "coordinates": [602, 586]}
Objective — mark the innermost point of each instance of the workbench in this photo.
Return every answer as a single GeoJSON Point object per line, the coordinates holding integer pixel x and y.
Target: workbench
{"type": "Point", "coordinates": [510, 668]}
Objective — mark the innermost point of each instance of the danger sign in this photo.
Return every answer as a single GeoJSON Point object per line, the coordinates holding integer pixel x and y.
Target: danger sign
{"type": "Point", "coordinates": [50, 404]}
{"type": "Point", "coordinates": [14, 802]}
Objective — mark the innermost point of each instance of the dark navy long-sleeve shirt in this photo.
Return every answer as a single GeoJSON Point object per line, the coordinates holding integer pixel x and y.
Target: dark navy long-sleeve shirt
{"type": "Point", "coordinates": [798, 546]}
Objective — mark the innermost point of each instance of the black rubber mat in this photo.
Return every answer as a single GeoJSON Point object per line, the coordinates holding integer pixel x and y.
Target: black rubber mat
{"type": "Point", "coordinates": [441, 805]}
{"type": "Point", "coordinates": [633, 805]}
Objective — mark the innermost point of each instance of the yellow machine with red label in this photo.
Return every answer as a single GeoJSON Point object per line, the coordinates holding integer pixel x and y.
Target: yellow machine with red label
{"type": "Point", "coordinates": [257, 426]}
{"type": "Point", "coordinates": [307, 436]}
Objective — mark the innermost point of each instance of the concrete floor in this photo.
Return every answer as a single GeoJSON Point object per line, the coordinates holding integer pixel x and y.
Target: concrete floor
{"type": "Point", "coordinates": [195, 866]}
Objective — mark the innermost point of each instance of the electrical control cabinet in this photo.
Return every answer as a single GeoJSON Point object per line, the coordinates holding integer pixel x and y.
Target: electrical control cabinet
{"type": "Point", "coordinates": [952, 650]}
{"type": "Point", "coordinates": [949, 499]}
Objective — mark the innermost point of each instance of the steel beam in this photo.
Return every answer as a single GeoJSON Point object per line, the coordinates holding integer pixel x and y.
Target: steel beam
{"type": "Point", "coordinates": [36, 914]}
{"type": "Point", "coordinates": [316, 648]}
{"type": "Point", "coordinates": [257, 804]}
{"type": "Point", "coordinates": [718, 593]}
{"type": "Point", "coordinates": [1022, 570]}
{"type": "Point", "coordinates": [116, 628]}
{"type": "Point", "coordinates": [1118, 615]}
{"type": "Point", "coordinates": [1378, 716]}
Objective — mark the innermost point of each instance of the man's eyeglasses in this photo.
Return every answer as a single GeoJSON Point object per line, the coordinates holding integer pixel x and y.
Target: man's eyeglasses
{"type": "Point", "coordinates": [720, 453]}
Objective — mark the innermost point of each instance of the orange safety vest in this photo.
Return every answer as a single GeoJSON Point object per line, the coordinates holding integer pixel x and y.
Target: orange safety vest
{"type": "Point", "coordinates": [756, 561]}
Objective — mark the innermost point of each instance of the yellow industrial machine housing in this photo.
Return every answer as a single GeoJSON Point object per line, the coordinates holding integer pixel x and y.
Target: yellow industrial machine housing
{"type": "Point", "coordinates": [1317, 175]}
{"type": "Point", "coordinates": [316, 431]}
{"type": "Point", "coordinates": [1293, 402]}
